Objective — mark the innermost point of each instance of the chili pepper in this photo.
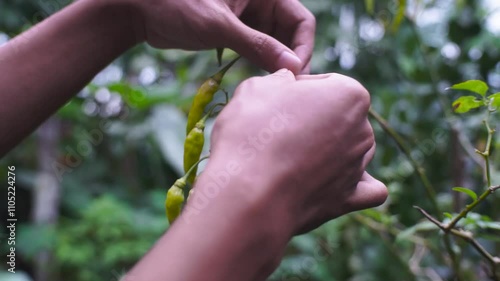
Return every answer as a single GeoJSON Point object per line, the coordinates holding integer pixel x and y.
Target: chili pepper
{"type": "Point", "coordinates": [193, 147]}
{"type": "Point", "coordinates": [205, 95]}
{"type": "Point", "coordinates": [175, 198]}
{"type": "Point", "coordinates": [175, 195]}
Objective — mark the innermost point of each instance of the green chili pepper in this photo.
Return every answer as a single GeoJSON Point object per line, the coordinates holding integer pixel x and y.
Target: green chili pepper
{"type": "Point", "coordinates": [205, 95]}
{"type": "Point", "coordinates": [193, 147]}
{"type": "Point", "coordinates": [175, 195]}
{"type": "Point", "coordinates": [175, 198]}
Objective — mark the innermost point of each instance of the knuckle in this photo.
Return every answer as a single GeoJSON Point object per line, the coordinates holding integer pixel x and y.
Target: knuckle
{"type": "Point", "coordinates": [353, 88]}
{"type": "Point", "coordinates": [261, 43]}
{"type": "Point", "coordinates": [359, 93]}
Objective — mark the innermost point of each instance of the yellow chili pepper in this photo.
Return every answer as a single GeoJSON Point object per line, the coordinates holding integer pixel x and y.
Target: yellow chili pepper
{"type": "Point", "coordinates": [175, 198]}
{"type": "Point", "coordinates": [193, 147]}
{"type": "Point", "coordinates": [205, 95]}
{"type": "Point", "coordinates": [175, 195]}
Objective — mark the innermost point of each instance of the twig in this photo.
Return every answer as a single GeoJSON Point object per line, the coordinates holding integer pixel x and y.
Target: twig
{"type": "Point", "coordinates": [423, 177]}
{"type": "Point", "coordinates": [491, 189]}
{"type": "Point", "coordinates": [486, 153]}
{"type": "Point", "coordinates": [406, 150]}
{"type": "Point", "coordinates": [391, 230]}
{"type": "Point", "coordinates": [469, 207]}
{"type": "Point", "coordinates": [395, 231]}
{"type": "Point", "coordinates": [465, 235]}
{"type": "Point", "coordinates": [464, 142]}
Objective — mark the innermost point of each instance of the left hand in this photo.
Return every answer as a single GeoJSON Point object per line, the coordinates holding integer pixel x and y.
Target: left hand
{"type": "Point", "coordinates": [274, 34]}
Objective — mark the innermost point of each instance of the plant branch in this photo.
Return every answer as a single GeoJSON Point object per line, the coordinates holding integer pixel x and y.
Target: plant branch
{"type": "Point", "coordinates": [391, 230]}
{"type": "Point", "coordinates": [431, 194]}
{"type": "Point", "coordinates": [470, 207]}
{"type": "Point", "coordinates": [423, 177]}
{"type": "Point", "coordinates": [444, 102]}
{"type": "Point", "coordinates": [491, 189]}
{"type": "Point", "coordinates": [486, 153]}
{"type": "Point", "coordinates": [465, 235]}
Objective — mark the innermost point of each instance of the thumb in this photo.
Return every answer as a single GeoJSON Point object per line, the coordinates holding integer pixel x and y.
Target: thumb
{"type": "Point", "coordinates": [261, 49]}
{"type": "Point", "coordinates": [368, 193]}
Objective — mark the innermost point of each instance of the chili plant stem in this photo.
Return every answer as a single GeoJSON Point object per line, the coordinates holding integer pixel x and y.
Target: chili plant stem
{"type": "Point", "coordinates": [490, 190]}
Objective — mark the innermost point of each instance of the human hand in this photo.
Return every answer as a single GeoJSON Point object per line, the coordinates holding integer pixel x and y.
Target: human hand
{"type": "Point", "coordinates": [301, 146]}
{"type": "Point", "coordinates": [259, 30]}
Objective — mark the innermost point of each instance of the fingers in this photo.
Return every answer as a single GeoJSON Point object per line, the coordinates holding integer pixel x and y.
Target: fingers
{"type": "Point", "coordinates": [306, 69]}
{"type": "Point", "coordinates": [261, 49]}
{"type": "Point", "coordinates": [283, 74]}
{"type": "Point", "coordinates": [368, 193]}
{"type": "Point", "coordinates": [299, 26]}
{"type": "Point", "coordinates": [255, 85]}
{"type": "Point", "coordinates": [340, 90]}
{"type": "Point", "coordinates": [312, 77]}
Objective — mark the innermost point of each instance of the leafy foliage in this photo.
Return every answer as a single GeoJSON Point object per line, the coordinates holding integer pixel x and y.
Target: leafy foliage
{"type": "Point", "coordinates": [111, 207]}
{"type": "Point", "coordinates": [466, 103]}
{"type": "Point", "coordinates": [467, 191]}
{"type": "Point", "coordinates": [476, 86]}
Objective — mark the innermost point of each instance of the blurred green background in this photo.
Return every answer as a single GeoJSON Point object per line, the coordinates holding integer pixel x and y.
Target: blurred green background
{"type": "Point", "coordinates": [91, 181]}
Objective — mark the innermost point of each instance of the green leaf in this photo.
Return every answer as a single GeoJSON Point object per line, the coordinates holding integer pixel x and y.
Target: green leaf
{"type": "Point", "coordinates": [466, 103]}
{"type": "Point", "coordinates": [448, 215]}
{"type": "Point", "coordinates": [476, 86]}
{"type": "Point", "coordinates": [495, 103]}
{"type": "Point", "coordinates": [138, 98]}
{"type": "Point", "coordinates": [467, 191]}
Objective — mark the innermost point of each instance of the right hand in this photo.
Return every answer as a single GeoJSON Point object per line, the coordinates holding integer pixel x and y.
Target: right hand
{"type": "Point", "coordinates": [302, 144]}
{"type": "Point", "coordinates": [273, 34]}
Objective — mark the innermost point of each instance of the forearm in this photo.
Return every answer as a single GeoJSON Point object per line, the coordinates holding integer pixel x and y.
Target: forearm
{"type": "Point", "coordinates": [220, 235]}
{"type": "Point", "coordinates": [38, 67]}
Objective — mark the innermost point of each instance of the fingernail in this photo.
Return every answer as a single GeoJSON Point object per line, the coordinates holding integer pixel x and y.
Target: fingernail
{"type": "Point", "coordinates": [289, 61]}
{"type": "Point", "coordinates": [282, 71]}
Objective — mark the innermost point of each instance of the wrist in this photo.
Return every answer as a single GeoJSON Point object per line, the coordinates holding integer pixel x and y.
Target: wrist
{"type": "Point", "coordinates": [227, 199]}
{"type": "Point", "coordinates": [231, 184]}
